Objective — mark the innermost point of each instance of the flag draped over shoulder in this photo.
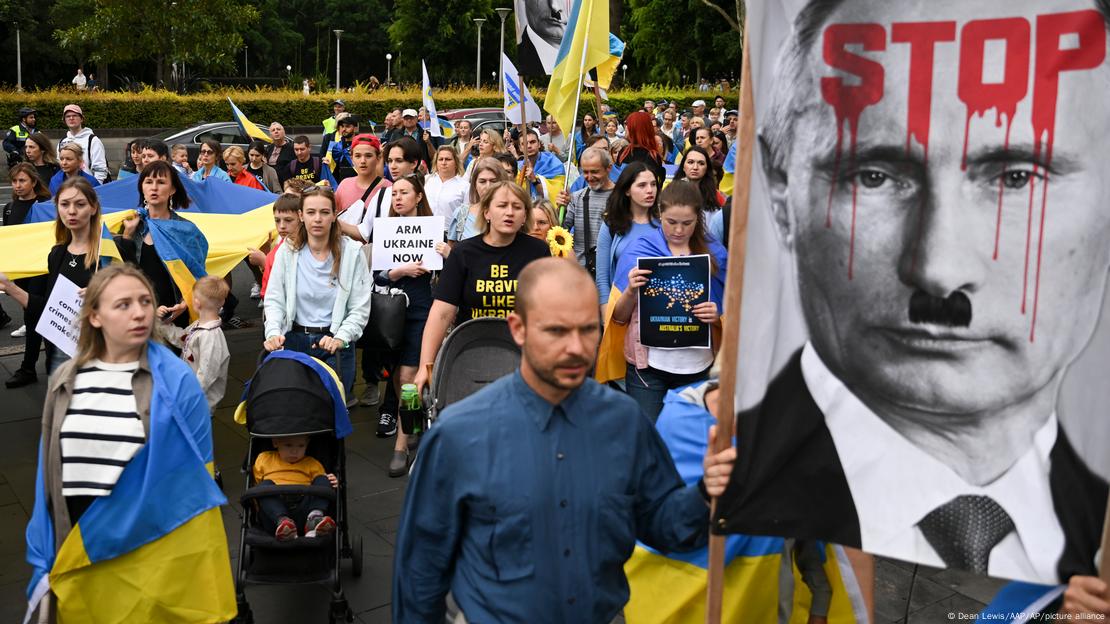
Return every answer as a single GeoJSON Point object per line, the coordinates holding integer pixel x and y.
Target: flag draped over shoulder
{"type": "Point", "coordinates": [232, 217]}
{"type": "Point", "coordinates": [670, 588]}
{"type": "Point", "coordinates": [183, 249]}
{"type": "Point", "coordinates": [154, 550]}
{"type": "Point", "coordinates": [429, 103]}
{"type": "Point", "coordinates": [585, 45]}
{"type": "Point", "coordinates": [550, 168]}
{"type": "Point", "coordinates": [246, 125]}
{"type": "Point", "coordinates": [610, 357]}
{"type": "Point", "coordinates": [517, 92]}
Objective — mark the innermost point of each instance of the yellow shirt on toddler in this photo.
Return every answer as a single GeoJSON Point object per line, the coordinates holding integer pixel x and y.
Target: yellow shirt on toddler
{"type": "Point", "coordinates": [269, 465]}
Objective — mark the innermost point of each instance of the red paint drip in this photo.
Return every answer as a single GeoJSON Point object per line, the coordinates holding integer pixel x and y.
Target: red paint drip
{"type": "Point", "coordinates": [1002, 185]}
{"type": "Point", "coordinates": [1051, 61]}
{"type": "Point", "coordinates": [1028, 238]}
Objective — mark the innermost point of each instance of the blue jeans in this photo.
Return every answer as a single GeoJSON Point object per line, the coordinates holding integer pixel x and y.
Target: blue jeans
{"type": "Point", "coordinates": [649, 385]}
{"type": "Point", "coordinates": [302, 342]}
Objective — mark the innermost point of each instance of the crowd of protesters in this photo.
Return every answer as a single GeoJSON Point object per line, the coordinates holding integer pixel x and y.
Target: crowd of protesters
{"type": "Point", "coordinates": [647, 184]}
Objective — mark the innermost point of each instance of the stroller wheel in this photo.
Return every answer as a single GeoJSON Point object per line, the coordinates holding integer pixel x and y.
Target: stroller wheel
{"type": "Point", "coordinates": [356, 557]}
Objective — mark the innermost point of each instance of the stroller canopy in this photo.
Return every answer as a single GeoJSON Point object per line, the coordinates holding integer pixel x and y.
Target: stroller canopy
{"type": "Point", "coordinates": [292, 393]}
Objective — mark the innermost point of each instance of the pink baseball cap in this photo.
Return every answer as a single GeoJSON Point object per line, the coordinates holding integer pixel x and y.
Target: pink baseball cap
{"type": "Point", "coordinates": [366, 139]}
{"type": "Point", "coordinates": [73, 108]}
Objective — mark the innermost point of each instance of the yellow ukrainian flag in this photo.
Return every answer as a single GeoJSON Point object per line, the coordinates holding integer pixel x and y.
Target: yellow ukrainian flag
{"type": "Point", "coordinates": [248, 128]}
{"type": "Point", "coordinates": [585, 46]}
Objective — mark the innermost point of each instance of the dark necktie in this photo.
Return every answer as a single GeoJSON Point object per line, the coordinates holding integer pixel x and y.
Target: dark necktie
{"type": "Point", "coordinates": [964, 530]}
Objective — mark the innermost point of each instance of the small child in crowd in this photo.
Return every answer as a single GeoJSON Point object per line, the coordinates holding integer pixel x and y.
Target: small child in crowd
{"type": "Point", "coordinates": [202, 344]}
{"type": "Point", "coordinates": [289, 465]}
{"type": "Point", "coordinates": [179, 154]}
{"type": "Point", "coordinates": [287, 220]}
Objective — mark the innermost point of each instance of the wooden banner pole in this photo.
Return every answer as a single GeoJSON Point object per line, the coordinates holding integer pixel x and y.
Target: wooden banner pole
{"type": "Point", "coordinates": [1104, 564]}
{"type": "Point", "coordinates": [730, 340]}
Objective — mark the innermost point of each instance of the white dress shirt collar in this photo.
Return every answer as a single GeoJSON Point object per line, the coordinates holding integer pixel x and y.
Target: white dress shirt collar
{"type": "Point", "coordinates": [544, 50]}
{"type": "Point", "coordinates": [895, 484]}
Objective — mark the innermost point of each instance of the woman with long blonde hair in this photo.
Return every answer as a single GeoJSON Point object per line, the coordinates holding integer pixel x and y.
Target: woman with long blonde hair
{"type": "Point", "coordinates": [125, 413]}
{"type": "Point", "coordinates": [75, 255]}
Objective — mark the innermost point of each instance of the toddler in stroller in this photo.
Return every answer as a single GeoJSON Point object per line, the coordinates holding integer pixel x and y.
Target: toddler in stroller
{"type": "Point", "coordinates": [289, 465]}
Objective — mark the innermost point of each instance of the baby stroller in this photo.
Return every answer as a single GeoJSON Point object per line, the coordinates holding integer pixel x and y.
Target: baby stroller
{"type": "Point", "coordinates": [476, 353]}
{"type": "Point", "coordinates": [294, 394]}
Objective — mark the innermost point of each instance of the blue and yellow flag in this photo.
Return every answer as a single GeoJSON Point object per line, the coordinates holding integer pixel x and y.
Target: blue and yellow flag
{"type": "Point", "coordinates": [429, 103]}
{"type": "Point", "coordinates": [328, 377]}
{"type": "Point", "coordinates": [183, 249]}
{"type": "Point", "coordinates": [550, 169]}
{"type": "Point", "coordinates": [154, 550]}
{"type": "Point", "coordinates": [232, 218]}
{"type": "Point", "coordinates": [1022, 602]}
{"type": "Point", "coordinates": [585, 45]}
{"type": "Point", "coordinates": [610, 355]}
{"type": "Point", "coordinates": [606, 70]}
{"type": "Point", "coordinates": [446, 130]}
{"type": "Point", "coordinates": [670, 588]}
{"type": "Point", "coordinates": [728, 175]}
{"type": "Point", "coordinates": [246, 125]}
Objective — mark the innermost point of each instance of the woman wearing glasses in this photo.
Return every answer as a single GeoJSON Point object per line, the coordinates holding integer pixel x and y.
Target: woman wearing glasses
{"type": "Point", "coordinates": [208, 162]}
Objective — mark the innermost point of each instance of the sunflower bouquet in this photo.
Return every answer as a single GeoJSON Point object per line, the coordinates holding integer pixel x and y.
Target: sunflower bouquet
{"type": "Point", "coordinates": [560, 242]}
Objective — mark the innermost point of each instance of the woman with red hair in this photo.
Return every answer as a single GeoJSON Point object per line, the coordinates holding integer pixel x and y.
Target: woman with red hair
{"type": "Point", "coordinates": [642, 145]}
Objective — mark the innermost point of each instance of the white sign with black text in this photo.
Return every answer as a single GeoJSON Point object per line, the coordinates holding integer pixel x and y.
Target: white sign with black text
{"type": "Point", "coordinates": [58, 322]}
{"type": "Point", "coordinates": [401, 240]}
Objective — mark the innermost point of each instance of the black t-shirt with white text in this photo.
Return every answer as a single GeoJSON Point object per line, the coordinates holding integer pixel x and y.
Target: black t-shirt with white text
{"type": "Point", "coordinates": [309, 170]}
{"type": "Point", "coordinates": [481, 279]}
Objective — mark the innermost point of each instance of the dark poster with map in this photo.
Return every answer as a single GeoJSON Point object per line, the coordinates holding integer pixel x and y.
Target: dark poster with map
{"type": "Point", "coordinates": [674, 287]}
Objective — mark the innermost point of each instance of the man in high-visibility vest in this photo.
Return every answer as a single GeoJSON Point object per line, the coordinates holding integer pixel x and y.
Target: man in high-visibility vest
{"type": "Point", "coordinates": [18, 134]}
{"type": "Point", "coordinates": [330, 125]}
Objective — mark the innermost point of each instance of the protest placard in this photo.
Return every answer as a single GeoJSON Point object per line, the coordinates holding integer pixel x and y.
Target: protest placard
{"type": "Point", "coordinates": [58, 323]}
{"type": "Point", "coordinates": [400, 240]}
{"type": "Point", "coordinates": [666, 303]}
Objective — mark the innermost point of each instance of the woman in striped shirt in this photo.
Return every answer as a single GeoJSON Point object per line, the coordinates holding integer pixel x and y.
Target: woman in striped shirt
{"type": "Point", "coordinates": [120, 393]}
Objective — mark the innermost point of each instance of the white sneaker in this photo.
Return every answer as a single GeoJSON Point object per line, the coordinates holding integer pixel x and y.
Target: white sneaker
{"type": "Point", "coordinates": [21, 332]}
{"type": "Point", "coordinates": [256, 292]}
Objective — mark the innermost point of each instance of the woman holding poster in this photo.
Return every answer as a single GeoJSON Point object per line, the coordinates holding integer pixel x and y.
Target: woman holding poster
{"type": "Point", "coordinates": [76, 257]}
{"type": "Point", "coordinates": [651, 371]}
{"type": "Point", "coordinates": [409, 200]}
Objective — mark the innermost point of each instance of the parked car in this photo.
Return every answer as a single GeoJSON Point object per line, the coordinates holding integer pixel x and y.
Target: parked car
{"type": "Point", "coordinates": [226, 132]}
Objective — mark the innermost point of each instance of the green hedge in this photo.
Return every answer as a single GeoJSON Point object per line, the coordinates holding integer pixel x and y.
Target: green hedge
{"type": "Point", "coordinates": [161, 109]}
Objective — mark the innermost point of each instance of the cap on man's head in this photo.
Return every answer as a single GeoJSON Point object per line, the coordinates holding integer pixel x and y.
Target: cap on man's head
{"type": "Point", "coordinates": [73, 108]}
{"type": "Point", "coordinates": [408, 112]}
{"type": "Point", "coordinates": [732, 113]}
{"type": "Point", "coordinates": [367, 139]}
{"type": "Point", "coordinates": [339, 102]}
{"type": "Point", "coordinates": [662, 102]}
{"type": "Point", "coordinates": [698, 103]}
{"type": "Point", "coordinates": [25, 111]}
{"type": "Point", "coordinates": [346, 119]}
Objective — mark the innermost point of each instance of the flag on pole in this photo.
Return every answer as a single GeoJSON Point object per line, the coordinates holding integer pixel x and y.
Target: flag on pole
{"type": "Point", "coordinates": [515, 93]}
{"type": "Point", "coordinates": [606, 70]}
{"type": "Point", "coordinates": [585, 46]}
{"type": "Point", "coordinates": [246, 125]}
{"type": "Point", "coordinates": [429, 103]}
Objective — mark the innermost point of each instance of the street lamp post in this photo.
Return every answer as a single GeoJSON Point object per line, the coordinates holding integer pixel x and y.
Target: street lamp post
{"type": "Point", "coordinates": [502, 12]}
{"type": "Point", "coordinates": [289, 75]}
{"type": "Point", "coordinates": [245, 72]}
{"type": "Point", "coordinates": [388, 67]}
{"type": "Point", "coordinates": [337, 33]}
{"type": "Point", "coordinates": [18, 61]}
{"type": "Point", "coordinates": [478, 67]}
{"type": "Point", "coordinates": [624, 75]}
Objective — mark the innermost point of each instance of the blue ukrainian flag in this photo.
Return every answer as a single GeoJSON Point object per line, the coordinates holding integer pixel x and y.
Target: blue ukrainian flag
{"type": "Point", "coordinates": [670, 588]}
{"type": "Point", "coordinates": [608, 69]}
{"type": "Point", "coordinates": [154, 550]}
{"type": "Point", "coordinates": [246, 125]}
{"type": "Point", "coordinates": [610, 356]}
{"type": "Point", "coordinates": [1021, 602]}
{"type": "Point", "coordinates": [446, 129]}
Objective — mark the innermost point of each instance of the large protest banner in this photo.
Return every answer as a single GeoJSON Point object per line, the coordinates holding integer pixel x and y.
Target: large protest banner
{"type": "Point", "coordinates": [922, 346]}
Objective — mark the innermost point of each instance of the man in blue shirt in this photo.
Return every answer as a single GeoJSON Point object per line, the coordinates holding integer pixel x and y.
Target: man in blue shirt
{"type": "Point", "coordinates": [528, 496]}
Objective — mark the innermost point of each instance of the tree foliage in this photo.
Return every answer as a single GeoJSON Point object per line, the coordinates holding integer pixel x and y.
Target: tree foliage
{"type": "Point", "coordinates": [680, 42]}
{"type": "Point", "coordinates": [443, 33]}
{"type": "Point", "coordinates": [207, 33]}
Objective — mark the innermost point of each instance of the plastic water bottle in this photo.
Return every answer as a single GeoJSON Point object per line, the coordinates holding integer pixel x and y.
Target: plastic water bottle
{"type": "Point", "coordinates": [412, 412]}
